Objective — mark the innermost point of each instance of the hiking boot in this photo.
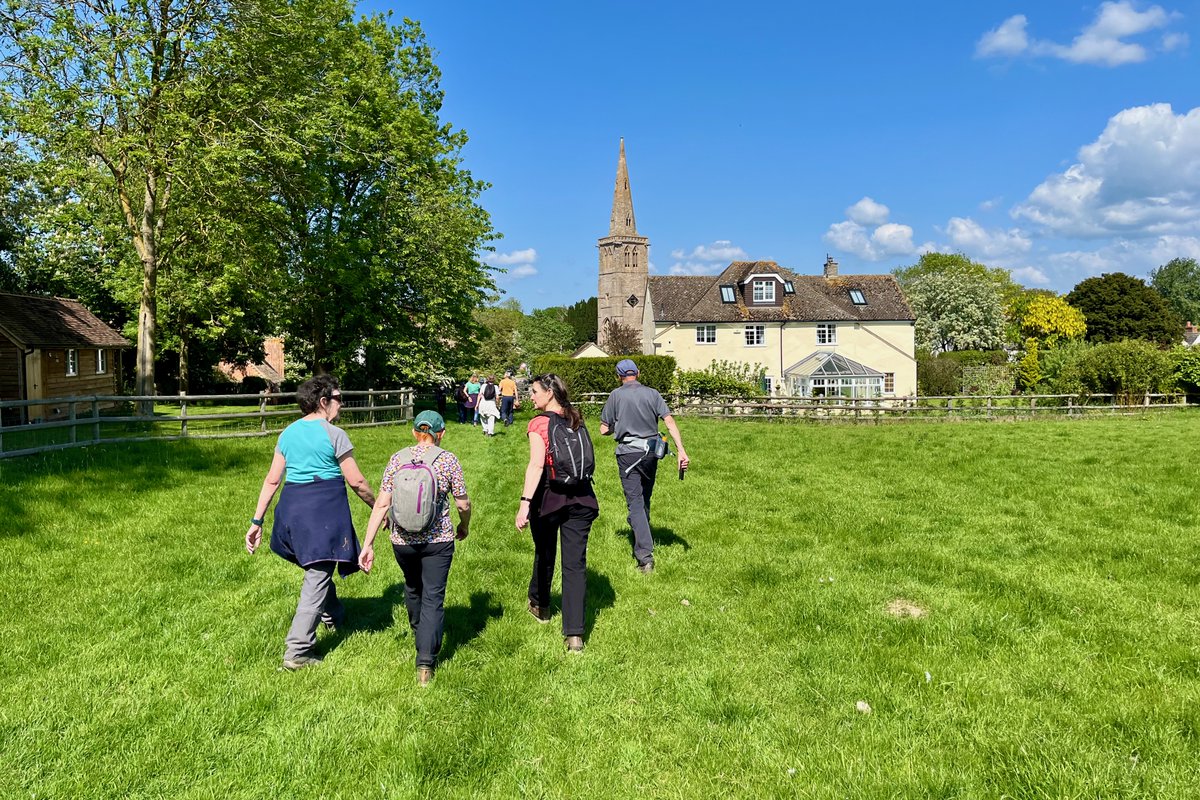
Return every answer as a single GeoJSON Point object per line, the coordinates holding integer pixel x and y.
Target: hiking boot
{"type": "Point", "coordinates": [646, 568]}
{"type": "Point", "coordinates": [424, 676]}
{"type": "Point", "coordinates": [300, 662]}
{"type": "Point", "coordinates": [574, 644]}
{"type": "Point", "coordinates": [540, 613]}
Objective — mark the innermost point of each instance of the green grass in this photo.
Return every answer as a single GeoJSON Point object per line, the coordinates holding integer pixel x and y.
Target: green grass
{"type": "Point", "coordinates": [1060, 656]}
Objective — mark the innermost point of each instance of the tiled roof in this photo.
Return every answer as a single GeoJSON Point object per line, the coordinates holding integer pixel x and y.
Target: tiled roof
{"type": "Point", "coordinates": [817, 298]}
{"type": "Point", "coordinates": [53, 322]}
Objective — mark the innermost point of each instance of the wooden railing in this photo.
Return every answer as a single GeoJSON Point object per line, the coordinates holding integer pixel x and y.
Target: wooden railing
{"type": "Point", "coordinates": [95, 419]}
{"type": "Point", "coordinates": [876, 409]}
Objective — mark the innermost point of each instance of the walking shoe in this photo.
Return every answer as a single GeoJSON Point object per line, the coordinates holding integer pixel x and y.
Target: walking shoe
{"type": "Point", "coordinates": [540, 613]}
{"type": "Point", "coordinates": [424, 676]}
{"type": "Point", "coordinates": [300, 662]}
{"type": "Point", "coordinates": [574, 644]}
{"type": "Point", "coordinates": [646, 568]}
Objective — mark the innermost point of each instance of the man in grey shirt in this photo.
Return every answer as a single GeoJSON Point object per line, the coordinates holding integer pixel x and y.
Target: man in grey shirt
{"type": "Point", "coordinates": [631, 416]}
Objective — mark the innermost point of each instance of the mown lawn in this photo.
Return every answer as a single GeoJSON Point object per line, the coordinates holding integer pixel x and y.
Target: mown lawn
{"type": "Point", "coordinates": [1059, 656]}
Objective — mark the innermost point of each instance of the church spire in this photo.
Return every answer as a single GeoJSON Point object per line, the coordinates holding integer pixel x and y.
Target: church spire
{"type": "Point", "coordinates": [622, 222]}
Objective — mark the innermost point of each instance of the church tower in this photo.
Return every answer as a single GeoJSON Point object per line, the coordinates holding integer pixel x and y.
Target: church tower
{"type": "Point", "coordinates": [624, 261]}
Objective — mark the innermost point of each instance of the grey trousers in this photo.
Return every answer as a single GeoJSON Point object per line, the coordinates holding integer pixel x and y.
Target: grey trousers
{"type": "Point", "coordinates": [638, 484]}
{"type": "Point", "coordinates": [318, 603]}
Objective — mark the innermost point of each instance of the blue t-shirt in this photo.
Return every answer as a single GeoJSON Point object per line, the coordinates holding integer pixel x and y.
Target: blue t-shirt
{"type": "Point", "coordinates": [311, 448]}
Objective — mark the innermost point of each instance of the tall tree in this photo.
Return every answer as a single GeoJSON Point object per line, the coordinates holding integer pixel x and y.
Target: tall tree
{"type": "Point", "coordinates": [1179, 282]}
{"type": "Point", "coordinates": [956, 311]}
{"type": "Point", "coordinates": [378, 223]}
{"type": "Point", "coordinates": [1117, 306]}
{"type": "Point", "coordinates": [1044, 317]}
{"type": "Point", "coordinates": [546, 331]}
{"type": "Point", "coordinates": [958, 264]}
{"type": "Point", "coordinates": [105, 91]}
{"type": "Point", "coordinates": [582, 316]}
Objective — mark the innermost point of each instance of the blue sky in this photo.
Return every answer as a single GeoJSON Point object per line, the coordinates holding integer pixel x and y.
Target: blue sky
{"type": "Point", "coordinates": [1057, 139]}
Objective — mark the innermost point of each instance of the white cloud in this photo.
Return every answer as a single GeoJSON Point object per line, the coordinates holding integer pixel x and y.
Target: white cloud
{"type": "Point", "coordinates": [1008, 39]}
{"type": "Point", "coordinates": [1104, 41]}
{"type": "Point", "coordinates": [1128, 256]}
{"type": "Point", "coordinates": [970, 237]}
{"type": "Point", "coordinates": [1027, 276]}
{"type": "Point", "coordinates": [991, 204]}
{"type": "Point", "coordinates": [523, 271]}
{"type": "Point", "coordinates": [868, 212]}
{"type": "Point", "coordinates": [526, 256]}
{"type": "Point", "coordinates": [1141, 177]}
{"type": "Point", "coordinates": [1174, 41]}
{"type": "Point", "coordinates": [706, 259]}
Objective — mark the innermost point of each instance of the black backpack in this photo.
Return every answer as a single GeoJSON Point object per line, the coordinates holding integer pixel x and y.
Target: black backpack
{"type": "Point", "coordinates": [489, 392]}
{"type": "Point", "coordinates": [573, 459]}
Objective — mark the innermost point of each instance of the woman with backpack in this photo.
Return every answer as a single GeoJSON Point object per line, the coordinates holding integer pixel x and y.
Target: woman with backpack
{"type": "Point", "coordinates": [422, 534]}
{"type": "Point", "coordinates": [489, 411]}
{"type": "Point", "coordinates": [558, 503]}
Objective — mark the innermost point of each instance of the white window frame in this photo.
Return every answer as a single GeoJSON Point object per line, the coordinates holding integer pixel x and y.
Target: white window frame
{"type": "Point", "coordinates": [706, 334]}
{"type": "Point", "coordinates": [72, 362]}
{"type": "Point", "coordinates": [763, 291]}
{"type": "Point", "coordinates": [826, 333]}
{"type": "Point", "coordinates": [758, 332]}
{"type": "Point", "coordinates": [101, 361]}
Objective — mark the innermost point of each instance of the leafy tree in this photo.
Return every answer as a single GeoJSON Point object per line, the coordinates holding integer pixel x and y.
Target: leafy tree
{"type": "Point", "coordinates": [1029, 371]}
{"type": "Point", "coordinates": [1046, 318]}
{"type": "Point", "coordinates": [1187, 368]}
{"type": "Point", "coordinates": [1059, 368]}
{"type": "Point", "coordinates": [499, 345]}
{"type": "Point", "coordinates": [956, 311]}
{"type": "Point", "coordinates": [958, 264]}
{"type": "Point", "coordinates": [1127, 369]}
{"type": "Point", "coordinates": [1179, 282]}
{"type": "Point", "coordinates": [1118, 307]}
{"type": "Point", "coordinates": [621, 340]}
{"type": "Point", "coordinates": [581, 317]}
{"type": "Point", "coordinates": [114, 97]}
{"type": "Point", "coordinates": [546, 331]}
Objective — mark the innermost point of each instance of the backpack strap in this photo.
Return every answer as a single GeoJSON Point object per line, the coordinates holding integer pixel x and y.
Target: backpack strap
{"type": "Point", "coordinates": [428, 457]}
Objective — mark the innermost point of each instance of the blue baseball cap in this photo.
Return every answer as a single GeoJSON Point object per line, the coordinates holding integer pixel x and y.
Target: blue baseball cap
{"type": "Point", "coordinates": [429, 421]}
{"type": "Point", "coordinates": [626, 367]}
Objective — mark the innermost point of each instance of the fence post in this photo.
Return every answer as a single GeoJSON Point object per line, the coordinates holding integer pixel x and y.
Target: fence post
{"type": "Point", "coordinates": [409, 401]}
{"type": "Point", "coordinates": [262, 413]}
{"type": "Point", "coordinates": [1146, 400]}
{"type": "Point", "coordinates": [1033, 406]}
{"type": "Point", "coordinates": [71, 417]}
{"type": "Point", "coordinates": [183, 414]}
{"type": "Point", "coordinates": [95, 419]}
{"type": "Point", "coordinates": [1070, 405]}
{"type": "Point", "coordinates": [371, 405]}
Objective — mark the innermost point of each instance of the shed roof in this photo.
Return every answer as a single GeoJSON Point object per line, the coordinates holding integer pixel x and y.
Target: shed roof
{"type": "Point", "coordinates": [39, 322]}
{"type": "Point", "coordinates": [680, 298]}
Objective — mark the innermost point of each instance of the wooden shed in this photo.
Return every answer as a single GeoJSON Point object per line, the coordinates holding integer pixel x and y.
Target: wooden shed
{"type": "Point", "coordinates": [53, 347]}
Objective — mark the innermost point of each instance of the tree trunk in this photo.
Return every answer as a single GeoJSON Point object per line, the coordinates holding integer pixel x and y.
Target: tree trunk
{"type": "Point", "coordinates": [183, 365]}
{"type": "Point", "coordinates": [147, 328]}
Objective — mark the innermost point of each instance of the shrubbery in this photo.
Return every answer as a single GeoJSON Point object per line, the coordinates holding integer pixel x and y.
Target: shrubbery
{"type": "Point", "coordinates": [941, 375]}
{"type": "Point", "coordinates": [722, 378]}
{"type": "Point", "coordinates": [596, 375]}
{"type": "Point", "coordinates": [1129, 369]}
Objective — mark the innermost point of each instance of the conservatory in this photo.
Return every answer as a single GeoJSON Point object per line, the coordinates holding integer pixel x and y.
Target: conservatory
{"type": "Point", "coordinates": [824, 374]}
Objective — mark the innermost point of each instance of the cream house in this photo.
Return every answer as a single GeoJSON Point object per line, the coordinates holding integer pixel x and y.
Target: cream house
{"type": "Point", "coordinates": [825, 335]}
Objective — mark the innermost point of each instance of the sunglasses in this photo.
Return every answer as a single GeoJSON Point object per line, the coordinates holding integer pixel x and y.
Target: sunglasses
{"type": "Point", "coordinates": [333, 397]}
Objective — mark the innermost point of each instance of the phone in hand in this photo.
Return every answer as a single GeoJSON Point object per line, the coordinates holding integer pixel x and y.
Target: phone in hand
{"type": "Point", "coordinates": [682, 470]}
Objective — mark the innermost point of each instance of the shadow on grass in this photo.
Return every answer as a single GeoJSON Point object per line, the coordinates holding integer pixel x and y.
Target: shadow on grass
{"type": "Point", "coordinates": [600, 595]}
{"type": "Point", "coordinates": [376, 614]}
{"type": "Point", "coordinates": [663, 537]}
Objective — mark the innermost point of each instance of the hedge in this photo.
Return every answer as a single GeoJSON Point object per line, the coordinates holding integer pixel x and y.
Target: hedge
{"type": "Point", "coordinates": [595, 375]}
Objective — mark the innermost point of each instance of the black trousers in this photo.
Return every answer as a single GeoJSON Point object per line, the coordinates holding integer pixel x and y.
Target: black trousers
{"type": "Point", "coordinates": [638, 472]}
{"type": "Point", "coordinates": [506, 409]}
{"type": "Point", "coordinates": [426, 568]}
{"type": "Point", "coordinates": [572, 524]}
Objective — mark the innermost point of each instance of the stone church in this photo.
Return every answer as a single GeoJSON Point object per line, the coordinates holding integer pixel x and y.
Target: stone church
{"type": "Point", "coordinates": [824, 335]}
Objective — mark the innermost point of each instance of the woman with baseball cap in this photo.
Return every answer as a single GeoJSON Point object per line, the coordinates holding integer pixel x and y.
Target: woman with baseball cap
{"type": "Point", "coordinates": [424, 555]}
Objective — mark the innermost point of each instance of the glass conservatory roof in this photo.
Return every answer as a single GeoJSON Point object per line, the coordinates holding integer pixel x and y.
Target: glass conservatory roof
{"type": "Point", "coordinates": [823, 364]}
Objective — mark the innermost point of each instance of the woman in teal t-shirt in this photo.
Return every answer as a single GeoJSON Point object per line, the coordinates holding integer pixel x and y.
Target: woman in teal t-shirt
{"type": "Point", "coordinates": [312, 526]}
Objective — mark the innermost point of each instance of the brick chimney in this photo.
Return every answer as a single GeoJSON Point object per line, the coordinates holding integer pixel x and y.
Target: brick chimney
{"type": "Point", "coordinates": [273, 345]}
{"type": "Point", "coordinates": [830, 266]}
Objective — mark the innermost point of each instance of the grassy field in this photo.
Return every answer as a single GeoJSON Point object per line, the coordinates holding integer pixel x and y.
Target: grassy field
{"type": "Point", "coordinates": [1055, 564]}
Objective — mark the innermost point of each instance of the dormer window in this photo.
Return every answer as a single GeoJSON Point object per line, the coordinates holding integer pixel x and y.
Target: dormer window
{"type": "Point", "coordinates": [789, 287]}
{"type": "Point", "coordinates": [727, 294]}
{"type": "Point", "coordinates": [764, 291]}
{"type": "Point", "coordinates": [857, 297]}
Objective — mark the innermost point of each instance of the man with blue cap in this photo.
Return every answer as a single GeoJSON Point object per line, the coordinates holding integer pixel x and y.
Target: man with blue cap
{"type": "Point", "coordinates": [631, 416]}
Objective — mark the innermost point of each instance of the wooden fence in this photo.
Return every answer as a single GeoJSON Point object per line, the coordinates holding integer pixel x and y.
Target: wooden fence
{"type": "Point", "coordinates": [880, 409]}
{"type": "Point", "coordinates": [89, 420]}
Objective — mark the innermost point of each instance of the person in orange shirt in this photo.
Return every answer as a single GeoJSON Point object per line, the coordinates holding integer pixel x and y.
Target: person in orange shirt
{"type": "Point", "coordinates": [508, 397]}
